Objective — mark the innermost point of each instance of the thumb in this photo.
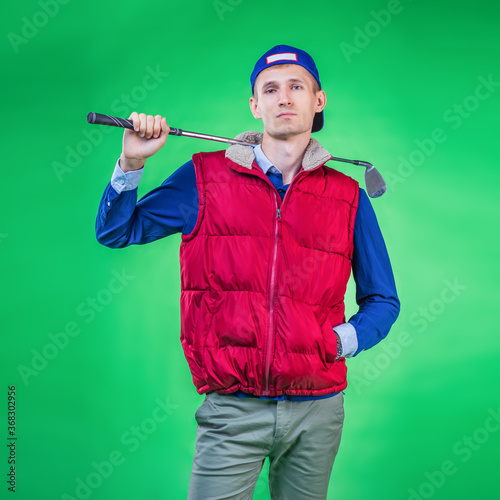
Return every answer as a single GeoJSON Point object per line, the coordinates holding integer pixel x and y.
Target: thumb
{"type": "Point", "coordinates": [164, 126]}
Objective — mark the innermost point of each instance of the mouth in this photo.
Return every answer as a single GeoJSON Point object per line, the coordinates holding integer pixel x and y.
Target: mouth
{"type": "Point", "coordinates": [286, 115]}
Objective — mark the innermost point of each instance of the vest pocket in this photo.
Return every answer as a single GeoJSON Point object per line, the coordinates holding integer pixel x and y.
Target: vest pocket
{"type": "Point", "coordinates": [330, 342]}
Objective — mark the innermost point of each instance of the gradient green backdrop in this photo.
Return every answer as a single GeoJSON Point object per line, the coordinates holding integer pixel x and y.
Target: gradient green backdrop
{"type": "Point", "coordinates": [417, 94]}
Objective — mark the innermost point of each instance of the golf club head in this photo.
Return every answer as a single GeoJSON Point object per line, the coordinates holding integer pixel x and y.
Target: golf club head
{"type": "Point", "coordinates": [375, 184]}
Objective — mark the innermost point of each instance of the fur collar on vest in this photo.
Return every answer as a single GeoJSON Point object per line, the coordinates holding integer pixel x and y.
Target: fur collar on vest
{"type": "Point", "coordinates": [314, 156]}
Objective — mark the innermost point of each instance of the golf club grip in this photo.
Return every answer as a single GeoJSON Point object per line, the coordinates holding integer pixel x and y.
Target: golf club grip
{"type": "Point", "coordinates": [114, 121]}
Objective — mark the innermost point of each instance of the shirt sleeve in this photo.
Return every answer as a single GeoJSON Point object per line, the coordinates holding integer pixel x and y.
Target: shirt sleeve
{"type": "Point", "coordinates": [170, 208]}
{"type": "Point", "coordinates": [376, 293]}
{"type": "Point", "coordinates": [125, 181]}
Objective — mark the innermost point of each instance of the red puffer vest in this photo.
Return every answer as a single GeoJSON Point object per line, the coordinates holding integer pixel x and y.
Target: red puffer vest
{"type": "Point", "coordinates": [263, 281]}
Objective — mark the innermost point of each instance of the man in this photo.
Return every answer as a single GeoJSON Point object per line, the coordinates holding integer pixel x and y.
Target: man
{"type": "Point", "coordinates": [269, 235]}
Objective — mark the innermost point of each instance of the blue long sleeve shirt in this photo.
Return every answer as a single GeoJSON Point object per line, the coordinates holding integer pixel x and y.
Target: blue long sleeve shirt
{"type": "Point", "coordinates": [173, 208]}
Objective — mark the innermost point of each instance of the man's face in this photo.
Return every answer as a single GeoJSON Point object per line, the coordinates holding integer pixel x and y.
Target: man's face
{"type": "Point", "coordinates": [286, 101]}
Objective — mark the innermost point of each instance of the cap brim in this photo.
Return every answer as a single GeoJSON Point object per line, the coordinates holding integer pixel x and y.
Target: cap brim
{"type": "Point", "coordinates": [318, 122]}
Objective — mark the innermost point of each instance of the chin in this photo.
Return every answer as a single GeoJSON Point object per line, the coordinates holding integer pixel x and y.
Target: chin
{"type": "Point", "coordinates": [287, 132]}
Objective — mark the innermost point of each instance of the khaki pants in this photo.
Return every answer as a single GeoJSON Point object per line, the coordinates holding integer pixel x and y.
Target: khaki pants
{"type": "Point", "coordinates": [235, 435]}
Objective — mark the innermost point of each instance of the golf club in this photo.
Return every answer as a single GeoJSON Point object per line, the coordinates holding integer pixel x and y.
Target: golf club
{"type": "Point", "coordinates": [375, 184]}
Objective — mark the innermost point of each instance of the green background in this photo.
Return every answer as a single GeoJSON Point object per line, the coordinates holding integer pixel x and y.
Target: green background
{"type": "Point", "coordinates": [421, 401]}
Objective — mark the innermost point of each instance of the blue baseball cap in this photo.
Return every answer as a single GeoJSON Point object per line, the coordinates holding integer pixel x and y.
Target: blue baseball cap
{"type": "Point", "coordinates": [285, 54]}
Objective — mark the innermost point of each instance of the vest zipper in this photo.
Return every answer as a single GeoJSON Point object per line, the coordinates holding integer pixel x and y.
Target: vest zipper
{"type": "Point", "coordinates": [270, 336]}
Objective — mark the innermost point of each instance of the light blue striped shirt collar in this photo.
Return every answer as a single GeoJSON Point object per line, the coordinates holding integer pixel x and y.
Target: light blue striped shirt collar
{"type": "Point", "coordinates": [263, 161]}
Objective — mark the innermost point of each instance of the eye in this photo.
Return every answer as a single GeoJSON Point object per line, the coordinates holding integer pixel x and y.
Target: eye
{"type": "Point", "coordinates": [269, 91]}
{"type": "Point", "coordinates": [296, 86]}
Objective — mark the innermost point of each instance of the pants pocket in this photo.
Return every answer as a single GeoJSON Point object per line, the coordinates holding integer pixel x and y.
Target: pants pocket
{"type": "Point", "coordinates": [204, 414]}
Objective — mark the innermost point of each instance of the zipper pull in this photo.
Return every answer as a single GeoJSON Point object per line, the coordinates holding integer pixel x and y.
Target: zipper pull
{"type": "Point", "coordinates": [278, 213]}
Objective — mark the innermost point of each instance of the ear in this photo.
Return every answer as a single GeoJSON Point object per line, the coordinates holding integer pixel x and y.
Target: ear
{"type": "Point", "coordinates": [320, 100]}
{"type": "Point", "coordinates": [254, 108]}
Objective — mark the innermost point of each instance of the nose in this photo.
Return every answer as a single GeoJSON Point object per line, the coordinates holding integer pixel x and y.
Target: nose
{"type": "Point", "coordinates": [284, 97]}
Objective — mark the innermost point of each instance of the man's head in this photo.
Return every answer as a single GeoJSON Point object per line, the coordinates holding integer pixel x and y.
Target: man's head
{"type": "Point", "coordinates": [286, 79]}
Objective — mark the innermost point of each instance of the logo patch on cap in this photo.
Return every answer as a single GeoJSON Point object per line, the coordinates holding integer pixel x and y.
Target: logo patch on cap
{"type": "Point", "coordinates": [285, 56]}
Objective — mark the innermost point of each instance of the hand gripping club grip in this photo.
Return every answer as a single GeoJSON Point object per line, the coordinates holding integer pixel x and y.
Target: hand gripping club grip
{"type": "Point", "coordinates": [114, 121]}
